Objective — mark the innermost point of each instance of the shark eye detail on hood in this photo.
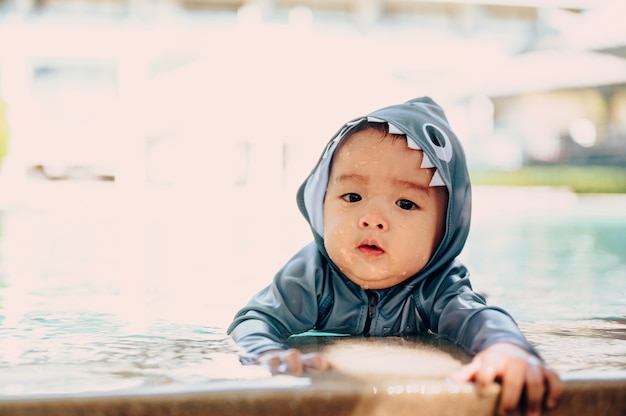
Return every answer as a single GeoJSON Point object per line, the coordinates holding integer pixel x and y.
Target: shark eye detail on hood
{"type": "Point", "coordinates": [439, 140]}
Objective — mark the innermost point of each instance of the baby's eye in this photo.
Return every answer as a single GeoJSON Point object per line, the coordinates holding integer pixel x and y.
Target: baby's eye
{"type": "Point", "coordinates": [406, 204]}
{"type": "Point", "coordinates": [351, 197]}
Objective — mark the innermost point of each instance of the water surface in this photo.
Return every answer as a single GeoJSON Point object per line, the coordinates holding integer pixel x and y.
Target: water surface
{"type": "Point", "coordinates": [102, 290]}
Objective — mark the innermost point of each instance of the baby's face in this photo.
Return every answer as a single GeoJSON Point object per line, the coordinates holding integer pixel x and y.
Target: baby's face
{"type": "Point", "coordinates": [382, 222]}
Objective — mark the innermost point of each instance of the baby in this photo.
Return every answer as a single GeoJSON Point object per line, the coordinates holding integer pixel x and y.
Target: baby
{"type": "Point", "coordinates": [389, 205]}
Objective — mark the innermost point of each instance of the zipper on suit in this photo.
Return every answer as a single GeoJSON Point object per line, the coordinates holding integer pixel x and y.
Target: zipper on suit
{"type": "Point", "coordinates": [372, 301]}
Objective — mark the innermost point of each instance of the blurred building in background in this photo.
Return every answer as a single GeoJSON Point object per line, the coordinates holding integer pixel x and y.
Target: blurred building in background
{"type": "Point", "coordinates": [235, 93]}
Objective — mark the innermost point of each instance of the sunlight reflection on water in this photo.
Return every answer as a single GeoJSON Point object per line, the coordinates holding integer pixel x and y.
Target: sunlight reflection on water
{"type": "Point", "coordinates": [115, 292]}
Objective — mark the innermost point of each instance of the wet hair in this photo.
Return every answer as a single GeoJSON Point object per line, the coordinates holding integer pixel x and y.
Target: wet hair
{"type": "Point", "coordinates": [382, 128]}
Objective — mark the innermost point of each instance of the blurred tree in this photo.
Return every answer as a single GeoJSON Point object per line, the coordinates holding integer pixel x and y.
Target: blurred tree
{"type": "Point", "coordinates": [4, 132]}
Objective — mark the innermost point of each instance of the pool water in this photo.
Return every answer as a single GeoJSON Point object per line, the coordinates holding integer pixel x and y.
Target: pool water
{"type": "Point", "coordinates": [102, 290]}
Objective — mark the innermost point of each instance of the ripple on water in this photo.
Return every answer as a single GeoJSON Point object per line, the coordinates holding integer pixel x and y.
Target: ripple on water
{"type": "Point", "coordinates": [581, 345]}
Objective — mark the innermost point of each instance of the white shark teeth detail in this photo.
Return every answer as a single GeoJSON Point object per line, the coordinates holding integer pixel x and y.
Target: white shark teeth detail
{"type": "Point", "coordinates": [436, 180]}
{"type": "Point", "coordinates": [412, 145]}
{"type": "Point", "coordinates": [355, 122]}
{"type": "Point", "coordinates": [426, 162]}
{"type": "Point", "coordinates": [392, 129]}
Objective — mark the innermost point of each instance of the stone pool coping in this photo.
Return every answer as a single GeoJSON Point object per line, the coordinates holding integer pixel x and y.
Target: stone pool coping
{"type": "Point", "coordinates": [328, 395]}
{"type": "Point", "coordinates": [370, 377]}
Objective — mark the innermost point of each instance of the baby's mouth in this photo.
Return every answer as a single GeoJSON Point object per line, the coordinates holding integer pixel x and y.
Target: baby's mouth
{"type": "Point", "coordinates": [371, 249]}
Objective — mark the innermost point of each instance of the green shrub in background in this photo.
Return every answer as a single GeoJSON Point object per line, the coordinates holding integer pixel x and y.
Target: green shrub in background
{"type": "Point", "coordinates": [4, 132]}
{"type": "Point", "coordinates": [580, 179]}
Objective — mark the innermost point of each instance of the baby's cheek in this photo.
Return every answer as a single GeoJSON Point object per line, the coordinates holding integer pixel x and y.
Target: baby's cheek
{"type": "Point", "coordinates": [337, 252]}
{"type": "Point", "coordinates": [334, 233]}
{"type": "Point", "coordinates": [340, 255]}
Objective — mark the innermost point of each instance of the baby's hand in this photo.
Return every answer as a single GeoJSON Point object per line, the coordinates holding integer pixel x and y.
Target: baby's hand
{"type": "Point", "coordinates": [516, 369]}
{"type": "Point", "coordinates": [292, 361]}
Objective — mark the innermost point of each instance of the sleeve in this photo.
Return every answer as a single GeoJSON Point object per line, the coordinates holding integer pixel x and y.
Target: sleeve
{"type": "Point", "coordinates": [462, 316]}
{"type": "Point", "coordinates": [288, 306]}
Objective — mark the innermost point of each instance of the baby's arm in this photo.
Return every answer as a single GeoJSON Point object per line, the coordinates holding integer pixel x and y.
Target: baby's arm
{"type": "Point", "coordinates": [288, 306]}
{"type": "Point", "coordinates": [501, 352]}
{"type": "Point", "coordinates": [525, 379]}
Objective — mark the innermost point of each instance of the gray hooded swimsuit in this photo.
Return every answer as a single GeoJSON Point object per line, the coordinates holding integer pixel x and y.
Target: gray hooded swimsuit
{"type": "Point", "coordinates": [311, 293]}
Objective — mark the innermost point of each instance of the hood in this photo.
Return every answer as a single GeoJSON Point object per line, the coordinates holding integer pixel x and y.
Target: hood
{"type": "Point", "coordinates": [426, 127]}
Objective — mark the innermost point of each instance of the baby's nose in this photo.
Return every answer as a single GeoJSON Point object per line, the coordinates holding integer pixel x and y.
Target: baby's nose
{"type": "Point", "coordinates": [373, 219]}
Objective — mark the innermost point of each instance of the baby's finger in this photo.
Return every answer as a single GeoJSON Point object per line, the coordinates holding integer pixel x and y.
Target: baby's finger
{"type": "Point", "coordinates": [512, 386]}
{"type": "Point", "coordinates": [314, 361]}
{"type": "Point", "coordinates": [272, 363]}
{"type": "Point", "coordinates": [555, 388]}
{"type": "Point", "coordinates": [486, 375]}
{"type": "Point", "coordinates": [282, 362]}
{"type": "Point", "coordinates": [292, 359]}
{"type": "Point", "coordinates": [467, 372]}
{"type": "Point", "coordinates": [535, 390]}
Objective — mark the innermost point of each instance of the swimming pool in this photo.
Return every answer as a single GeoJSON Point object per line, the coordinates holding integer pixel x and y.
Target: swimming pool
{"type": "Point", "coordinates": [102, 291]}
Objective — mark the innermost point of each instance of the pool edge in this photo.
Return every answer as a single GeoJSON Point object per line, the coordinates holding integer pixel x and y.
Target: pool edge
{"type": "Point", "coordinates": [596, 396]}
